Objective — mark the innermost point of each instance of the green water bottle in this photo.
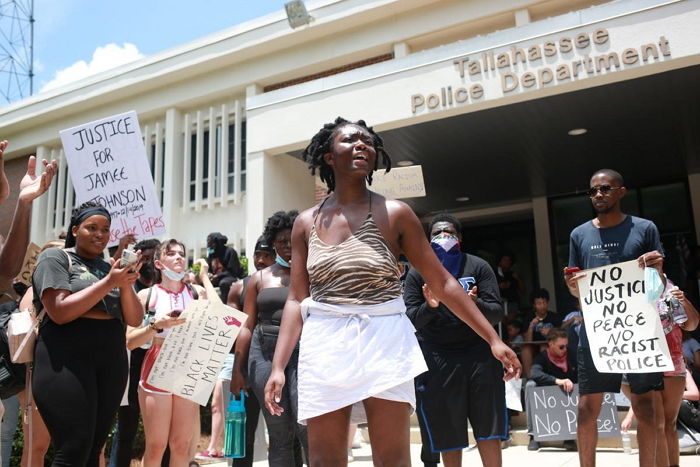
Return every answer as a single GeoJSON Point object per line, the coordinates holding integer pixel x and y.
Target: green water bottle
{"type": "Point", "coordinates": [234, 433]}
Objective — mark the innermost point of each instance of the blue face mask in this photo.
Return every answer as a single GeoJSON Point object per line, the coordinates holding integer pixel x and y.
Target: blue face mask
{"type": "Point", "coordinates": [210, 251]}
{"type": "Point", "coordinates": [279, 260]}
{"type": "Point", "coordinates": [653, 285]}
{"type": "Point", "coordinates": [446, 247]}
{"type": "Point", "coordinates": [172, 275]}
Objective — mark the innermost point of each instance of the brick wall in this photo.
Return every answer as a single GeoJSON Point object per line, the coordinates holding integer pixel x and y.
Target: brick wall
{"type": "Point", "coordinates": [15, 170]}
{"type": "Point", "coordinates": [332, 71]}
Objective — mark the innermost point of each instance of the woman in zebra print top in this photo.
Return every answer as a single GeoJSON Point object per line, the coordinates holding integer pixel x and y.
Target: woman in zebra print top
{"type": "Point", "coordinates": [345, 273]}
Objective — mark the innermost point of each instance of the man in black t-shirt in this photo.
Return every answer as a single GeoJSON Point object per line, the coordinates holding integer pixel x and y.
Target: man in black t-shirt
{"type": "Point", "coordinates": [463, 381]}
{"type": "Point", "coordinates": [612, 237]}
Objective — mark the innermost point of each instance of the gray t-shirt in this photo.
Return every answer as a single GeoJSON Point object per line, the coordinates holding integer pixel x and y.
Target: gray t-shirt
{"type": "Point", "coordinates": [591, 247]}
{"type": "Point", "coordinates": [53, 271]}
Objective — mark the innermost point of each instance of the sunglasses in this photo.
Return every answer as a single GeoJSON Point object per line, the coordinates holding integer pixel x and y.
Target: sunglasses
{"type": "Point", "coordinates": [561, 347]}
{"type": "Point", "coordinates": [603, 189]}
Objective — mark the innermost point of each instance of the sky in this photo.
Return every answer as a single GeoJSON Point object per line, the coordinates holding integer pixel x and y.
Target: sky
{"type": "Point", "coordinates": [77, 38]}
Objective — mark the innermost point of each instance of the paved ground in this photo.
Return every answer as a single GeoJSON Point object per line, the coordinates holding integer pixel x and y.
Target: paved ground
{"type": "Point", "coordinates": [516, 456]}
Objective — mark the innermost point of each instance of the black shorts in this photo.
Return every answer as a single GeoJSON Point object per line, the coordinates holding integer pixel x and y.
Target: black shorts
{"type": "Point", "coordinates": [591, 381]}
{"type": "Point", "coordinates": [459, 385]}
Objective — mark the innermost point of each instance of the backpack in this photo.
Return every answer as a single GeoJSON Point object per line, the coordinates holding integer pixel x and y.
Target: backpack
{"type": "Point", "coordinates": [12, 375]}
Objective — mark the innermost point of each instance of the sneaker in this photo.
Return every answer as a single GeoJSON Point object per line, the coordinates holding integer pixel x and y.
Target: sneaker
{"type": "Point", "coordinates": [533, 445]}
{"type": "Point", "coordinates": [206, 454]}
{"type": "Point", "coordinates": [357, 440]}
{"type": "Point", "coordinates": [570, 445]}
{"type": "Point", "coordinates": [351, 458]}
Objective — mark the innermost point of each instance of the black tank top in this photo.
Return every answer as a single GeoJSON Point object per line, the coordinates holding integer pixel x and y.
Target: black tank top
{"type": "Point", "coordinates": [271, 302]}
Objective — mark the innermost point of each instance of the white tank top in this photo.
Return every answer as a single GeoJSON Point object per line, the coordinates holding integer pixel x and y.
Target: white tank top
{"type": "Point", "coordinates": [164, 301]}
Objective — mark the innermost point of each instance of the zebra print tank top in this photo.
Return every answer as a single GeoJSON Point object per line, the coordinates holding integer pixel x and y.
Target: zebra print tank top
{"type": "Point", "coordinates": [361, 270]}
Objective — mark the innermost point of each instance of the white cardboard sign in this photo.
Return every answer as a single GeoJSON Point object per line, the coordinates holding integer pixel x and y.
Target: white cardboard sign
{"type": "Point", "coordinates": [193, 353]}
{"type": "Point", "coordinates": [400, 182]}
{"type": "Point", "coordinates": [107, 163]}
{"type": "Point", "coordinates": [624, 329]}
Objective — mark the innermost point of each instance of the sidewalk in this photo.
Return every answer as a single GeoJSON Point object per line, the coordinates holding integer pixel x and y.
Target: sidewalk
{"type": "Point", "coordinates": [514, 456]}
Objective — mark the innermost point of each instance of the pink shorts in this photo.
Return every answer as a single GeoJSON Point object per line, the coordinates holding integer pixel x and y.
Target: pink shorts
{"type": "Point", "coordinates": [148, 361]}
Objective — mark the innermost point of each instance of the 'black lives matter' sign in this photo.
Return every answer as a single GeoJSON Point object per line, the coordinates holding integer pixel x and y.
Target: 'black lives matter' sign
{"type": "Point", "coordinates": [107, 163]}
{"type": "Point", "coordinates": [554, 412]}
{"type": "Point", "coordinates": [624, 329]}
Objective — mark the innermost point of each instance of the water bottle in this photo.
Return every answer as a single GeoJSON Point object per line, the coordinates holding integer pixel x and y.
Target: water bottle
{"type": "Point", "coordinates": [626, 442]}
{"type": "Point", "coordinates": [234, 432]}
{"type": "Point", "coordinates": [676, 309]}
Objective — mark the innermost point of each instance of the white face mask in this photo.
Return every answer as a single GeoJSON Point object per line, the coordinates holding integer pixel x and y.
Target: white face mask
{"type": "Point", "coordinates": [172, 275]}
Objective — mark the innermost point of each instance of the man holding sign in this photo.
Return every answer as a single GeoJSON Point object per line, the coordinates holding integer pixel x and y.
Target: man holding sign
{"type": "Point", "coordinates": [612, 237]}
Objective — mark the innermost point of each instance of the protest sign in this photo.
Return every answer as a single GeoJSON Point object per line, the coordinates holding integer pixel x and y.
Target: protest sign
{"type": "Point", "coordinates": [554, 414]}
{"type": "Point", "coordinates": [193, 353]}
{"type": "Point", "coordinates": [624, 330]}
{"type": "Point", "coordinates": [400, 182]}
{"type": "Point", "coordinates": [107, 163]}
{"type": "Point", "coordinates": [30, 257]}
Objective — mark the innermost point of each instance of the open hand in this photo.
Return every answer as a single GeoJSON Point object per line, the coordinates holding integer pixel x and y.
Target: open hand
{"type": "Point", "coordinates": [430, 298]}
{"type": "Point", "coordinates": [32, 186]}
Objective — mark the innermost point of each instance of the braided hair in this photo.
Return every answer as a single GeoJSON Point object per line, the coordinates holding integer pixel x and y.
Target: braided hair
{"type": "Point", "coordinates": [322, 143]}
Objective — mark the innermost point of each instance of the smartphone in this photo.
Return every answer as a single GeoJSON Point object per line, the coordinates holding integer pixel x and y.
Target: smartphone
{"type": "Point", "coordinates": [573, 270]}
{"type": "Point", "coordinates": [175, 313]}
{"type": "Point", "coordinates": [128, 258]}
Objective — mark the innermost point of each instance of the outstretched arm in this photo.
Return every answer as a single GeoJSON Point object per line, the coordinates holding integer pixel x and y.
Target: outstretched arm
{"type": "Point", "coordinates": [31, 187]}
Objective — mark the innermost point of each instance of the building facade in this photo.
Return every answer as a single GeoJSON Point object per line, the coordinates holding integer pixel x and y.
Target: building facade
{"type": "Point", "coordinates": [508, 107]}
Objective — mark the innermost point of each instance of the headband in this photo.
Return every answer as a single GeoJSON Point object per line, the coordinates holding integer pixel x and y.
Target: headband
{"type": "Point", "coordinates": [92, 211]}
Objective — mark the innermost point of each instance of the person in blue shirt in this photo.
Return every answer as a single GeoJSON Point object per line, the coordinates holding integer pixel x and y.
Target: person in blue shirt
{"type": "Point", "coordinates": [612, 237]}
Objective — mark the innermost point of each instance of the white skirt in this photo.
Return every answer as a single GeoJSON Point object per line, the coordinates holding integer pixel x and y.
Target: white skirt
{"type": "Point", "coordinates": [350, 353]}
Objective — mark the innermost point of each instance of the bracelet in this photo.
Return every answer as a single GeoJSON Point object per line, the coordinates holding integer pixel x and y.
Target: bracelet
{"type": "Point", "coordinates": [152, 325]}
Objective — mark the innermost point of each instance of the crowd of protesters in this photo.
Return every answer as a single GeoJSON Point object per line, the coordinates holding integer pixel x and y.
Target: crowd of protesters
{"type": "Point", "coordinates": [340, 339]}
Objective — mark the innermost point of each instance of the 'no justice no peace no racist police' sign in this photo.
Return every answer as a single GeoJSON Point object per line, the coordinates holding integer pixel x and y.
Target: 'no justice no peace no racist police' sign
{"type": "Point", "coordinates": [624, 329]}
{"type": "Point", "coordinates": [107, 163]}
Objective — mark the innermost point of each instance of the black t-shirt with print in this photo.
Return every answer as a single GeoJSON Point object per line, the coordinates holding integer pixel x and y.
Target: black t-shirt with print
{"type": "Point", "coordinates": [52, 272]}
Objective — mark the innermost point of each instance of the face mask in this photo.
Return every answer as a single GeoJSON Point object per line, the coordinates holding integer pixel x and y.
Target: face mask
{"type": "Point", "coordinates": [445, 241]}
{"type": "Point", "coordinates": [172, 275]}
{"type": "Point", "coordinates": [446, 247]}
{"type": "Point", "coordinates": [210, 251]}
{"type": "Point", "coordinates": [653, 285]}
{"type": "Point", "coordinates": [279, 260]}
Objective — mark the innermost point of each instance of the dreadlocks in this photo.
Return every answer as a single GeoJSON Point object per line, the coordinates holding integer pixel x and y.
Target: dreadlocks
{"type": "Point", "coordinates": [321, 144]}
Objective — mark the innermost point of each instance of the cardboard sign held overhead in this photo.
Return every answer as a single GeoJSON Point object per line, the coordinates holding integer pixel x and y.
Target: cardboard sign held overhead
{"type": "Point", "coordinates": [624, 329]}
{"type": "Point", "coordinates": [400, 182]}
{"type": "Point", "coordinates": [107, 163]}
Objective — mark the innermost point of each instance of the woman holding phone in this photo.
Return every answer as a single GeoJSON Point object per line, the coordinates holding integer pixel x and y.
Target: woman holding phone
{"type": "Point", "coordinates": [168, 419]}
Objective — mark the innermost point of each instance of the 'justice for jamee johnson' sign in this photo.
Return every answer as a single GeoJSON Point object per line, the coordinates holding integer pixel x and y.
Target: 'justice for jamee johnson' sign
{"type": "Point", "coordinates": [107, 163]}
{"type": "Point", "coordinates": [623, 328]}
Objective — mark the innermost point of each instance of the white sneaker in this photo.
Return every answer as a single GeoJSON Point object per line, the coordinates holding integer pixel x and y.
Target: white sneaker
{"type": "Point", "coordinates": [351, 458]}
{"type": "Point", "coordinates": [357, 439]}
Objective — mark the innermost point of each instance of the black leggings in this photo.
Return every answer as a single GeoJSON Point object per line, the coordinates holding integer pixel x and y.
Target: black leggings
{"type": "Point", "coordinates": [80, 371]}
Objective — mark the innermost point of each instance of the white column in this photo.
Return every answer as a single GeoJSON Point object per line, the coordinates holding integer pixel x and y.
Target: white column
{"type": "Point", "coordinates": [274, 183]}
{"type": "Point", "coordinates": [173, 170]}
{"type": "Point", "coordinates": [522, 17]}
{"type": "Point", "coordinates": [540, 212]}
{"type": "Point", "coordinates": [694, 186]}
{"type": "Point", "coordinates": [401, 49]}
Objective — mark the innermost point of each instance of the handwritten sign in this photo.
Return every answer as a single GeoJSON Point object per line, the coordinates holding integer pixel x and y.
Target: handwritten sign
{"type": "Point", "coordinates": [400, 182]}
{"type": "Point", "coordinates": [108, 164]}
{"type": "Point", "coordinates": [554, 414]}
{"type": "Point", "coordinates": [25, 275]}
{"type": "Point", "coordinates": [624, 329]}
{"type": "Point", "coordinates": [513, 388]}
{"type": "Point", "coordinates": [193, 353]}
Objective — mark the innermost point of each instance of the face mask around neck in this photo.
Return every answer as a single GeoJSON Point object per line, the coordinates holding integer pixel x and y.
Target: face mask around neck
{"type": "Point", "coordinates": [172, 275]}
{"type": "Point", "coordinates": [279, 260]}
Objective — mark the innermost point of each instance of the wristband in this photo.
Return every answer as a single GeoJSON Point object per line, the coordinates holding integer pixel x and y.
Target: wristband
{"type": "Point", "coordinates": [152, 325]}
